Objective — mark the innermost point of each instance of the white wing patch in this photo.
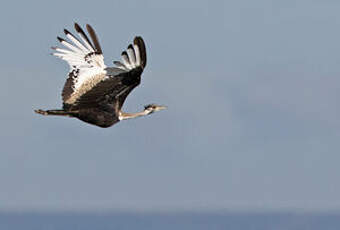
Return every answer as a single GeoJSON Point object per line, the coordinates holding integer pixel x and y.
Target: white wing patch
{"type": "Point", "coordinates": [86, 63]}
{"type": "Point", "coordinates": [130, 58]}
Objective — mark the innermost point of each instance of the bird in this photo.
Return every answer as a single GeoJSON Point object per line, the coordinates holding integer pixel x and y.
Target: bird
{"type": "Point", "coordinates": [93, 92]}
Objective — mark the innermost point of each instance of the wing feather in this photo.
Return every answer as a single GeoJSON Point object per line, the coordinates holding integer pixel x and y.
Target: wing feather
{"type": "Point", "coordinates": [70, 36]}
{"type": "Point", "coordinates": [131, 55]}
{"type": "Point", "coordinates": [94, 38]}
{"type": "Point", "coordinates": [86, 62]}
{"type": "Point", "coordinates": [139, 42]}
{"type": "Point", "coordinates": [68, 45]}
{"type": "Point", "coordinates": [126, 61]}
{"type": "Point", "coordinates": [120, 65]}
{"type": "Point", "coordinates": [134, 56]}
{"type": "Point", "coordinates": [84, 37]}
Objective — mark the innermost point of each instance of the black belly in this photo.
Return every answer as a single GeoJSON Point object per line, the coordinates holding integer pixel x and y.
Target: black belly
{"type": "Point", "coordinates": [97, 117]}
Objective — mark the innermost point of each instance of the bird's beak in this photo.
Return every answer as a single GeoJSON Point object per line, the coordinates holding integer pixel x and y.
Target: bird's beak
{"type": "Point", "coordinates": [161, 107]}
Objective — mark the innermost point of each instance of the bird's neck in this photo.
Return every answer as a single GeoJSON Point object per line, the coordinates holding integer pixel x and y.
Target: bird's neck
{"type": "Point", "coordinates": [124, 116]}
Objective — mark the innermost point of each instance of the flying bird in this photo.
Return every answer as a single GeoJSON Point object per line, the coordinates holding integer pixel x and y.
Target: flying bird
{"type": "Point", "coordinates": [93, 92]}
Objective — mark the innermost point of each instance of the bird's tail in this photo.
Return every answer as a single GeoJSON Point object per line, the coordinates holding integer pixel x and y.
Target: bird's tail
{"type": "Point", "coordinates": [56, 112]}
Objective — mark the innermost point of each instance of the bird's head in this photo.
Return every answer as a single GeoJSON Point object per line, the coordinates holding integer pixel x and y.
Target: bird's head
{"type": "Point", "coordinates": [153, 108]}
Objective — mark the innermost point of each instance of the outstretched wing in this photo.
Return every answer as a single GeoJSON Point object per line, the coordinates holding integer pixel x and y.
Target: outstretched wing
{"type": "Point", "coordinates": [119, 80]}
{"type": "Point", "coordinates": [86, 62]}
{"type": "Point", "coordinates": [138, 64]}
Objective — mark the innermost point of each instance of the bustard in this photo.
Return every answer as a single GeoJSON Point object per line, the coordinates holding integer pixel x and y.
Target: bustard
{"type": "Point", "coordinates": [93, 92]}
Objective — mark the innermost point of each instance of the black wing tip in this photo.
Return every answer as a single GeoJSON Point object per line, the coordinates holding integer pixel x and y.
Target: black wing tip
{"type": "Point", "coordinates": [83, 34]}
{"type": "Point", "coordinates": [60, 39]}
{"type": "Point", "coordinates": [77, 27]}
{"type": "Point", "coordinates": [124, 53]}
{"type": "Point", "coordinates": [130, 46]}
{"type": "Point", "coordinates": [138, 41]}
{"type": "Point", "coordinates": [66, 32]}
{"type": "Point", "coordinates": [94, 38]}
{"type": "Point", "coordinates": [90, 29]}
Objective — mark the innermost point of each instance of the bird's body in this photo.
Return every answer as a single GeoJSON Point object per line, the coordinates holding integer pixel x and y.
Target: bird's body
{"type": "Point", "coordinates": [93, 92]}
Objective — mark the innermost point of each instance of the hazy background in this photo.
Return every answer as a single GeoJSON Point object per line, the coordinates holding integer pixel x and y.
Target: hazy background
{"type": "Point", "coordinates": [252, 91]}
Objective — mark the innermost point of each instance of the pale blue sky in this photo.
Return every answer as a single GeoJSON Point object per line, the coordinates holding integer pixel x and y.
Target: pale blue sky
{"type": "Point", "coordinates": [253, 121]}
